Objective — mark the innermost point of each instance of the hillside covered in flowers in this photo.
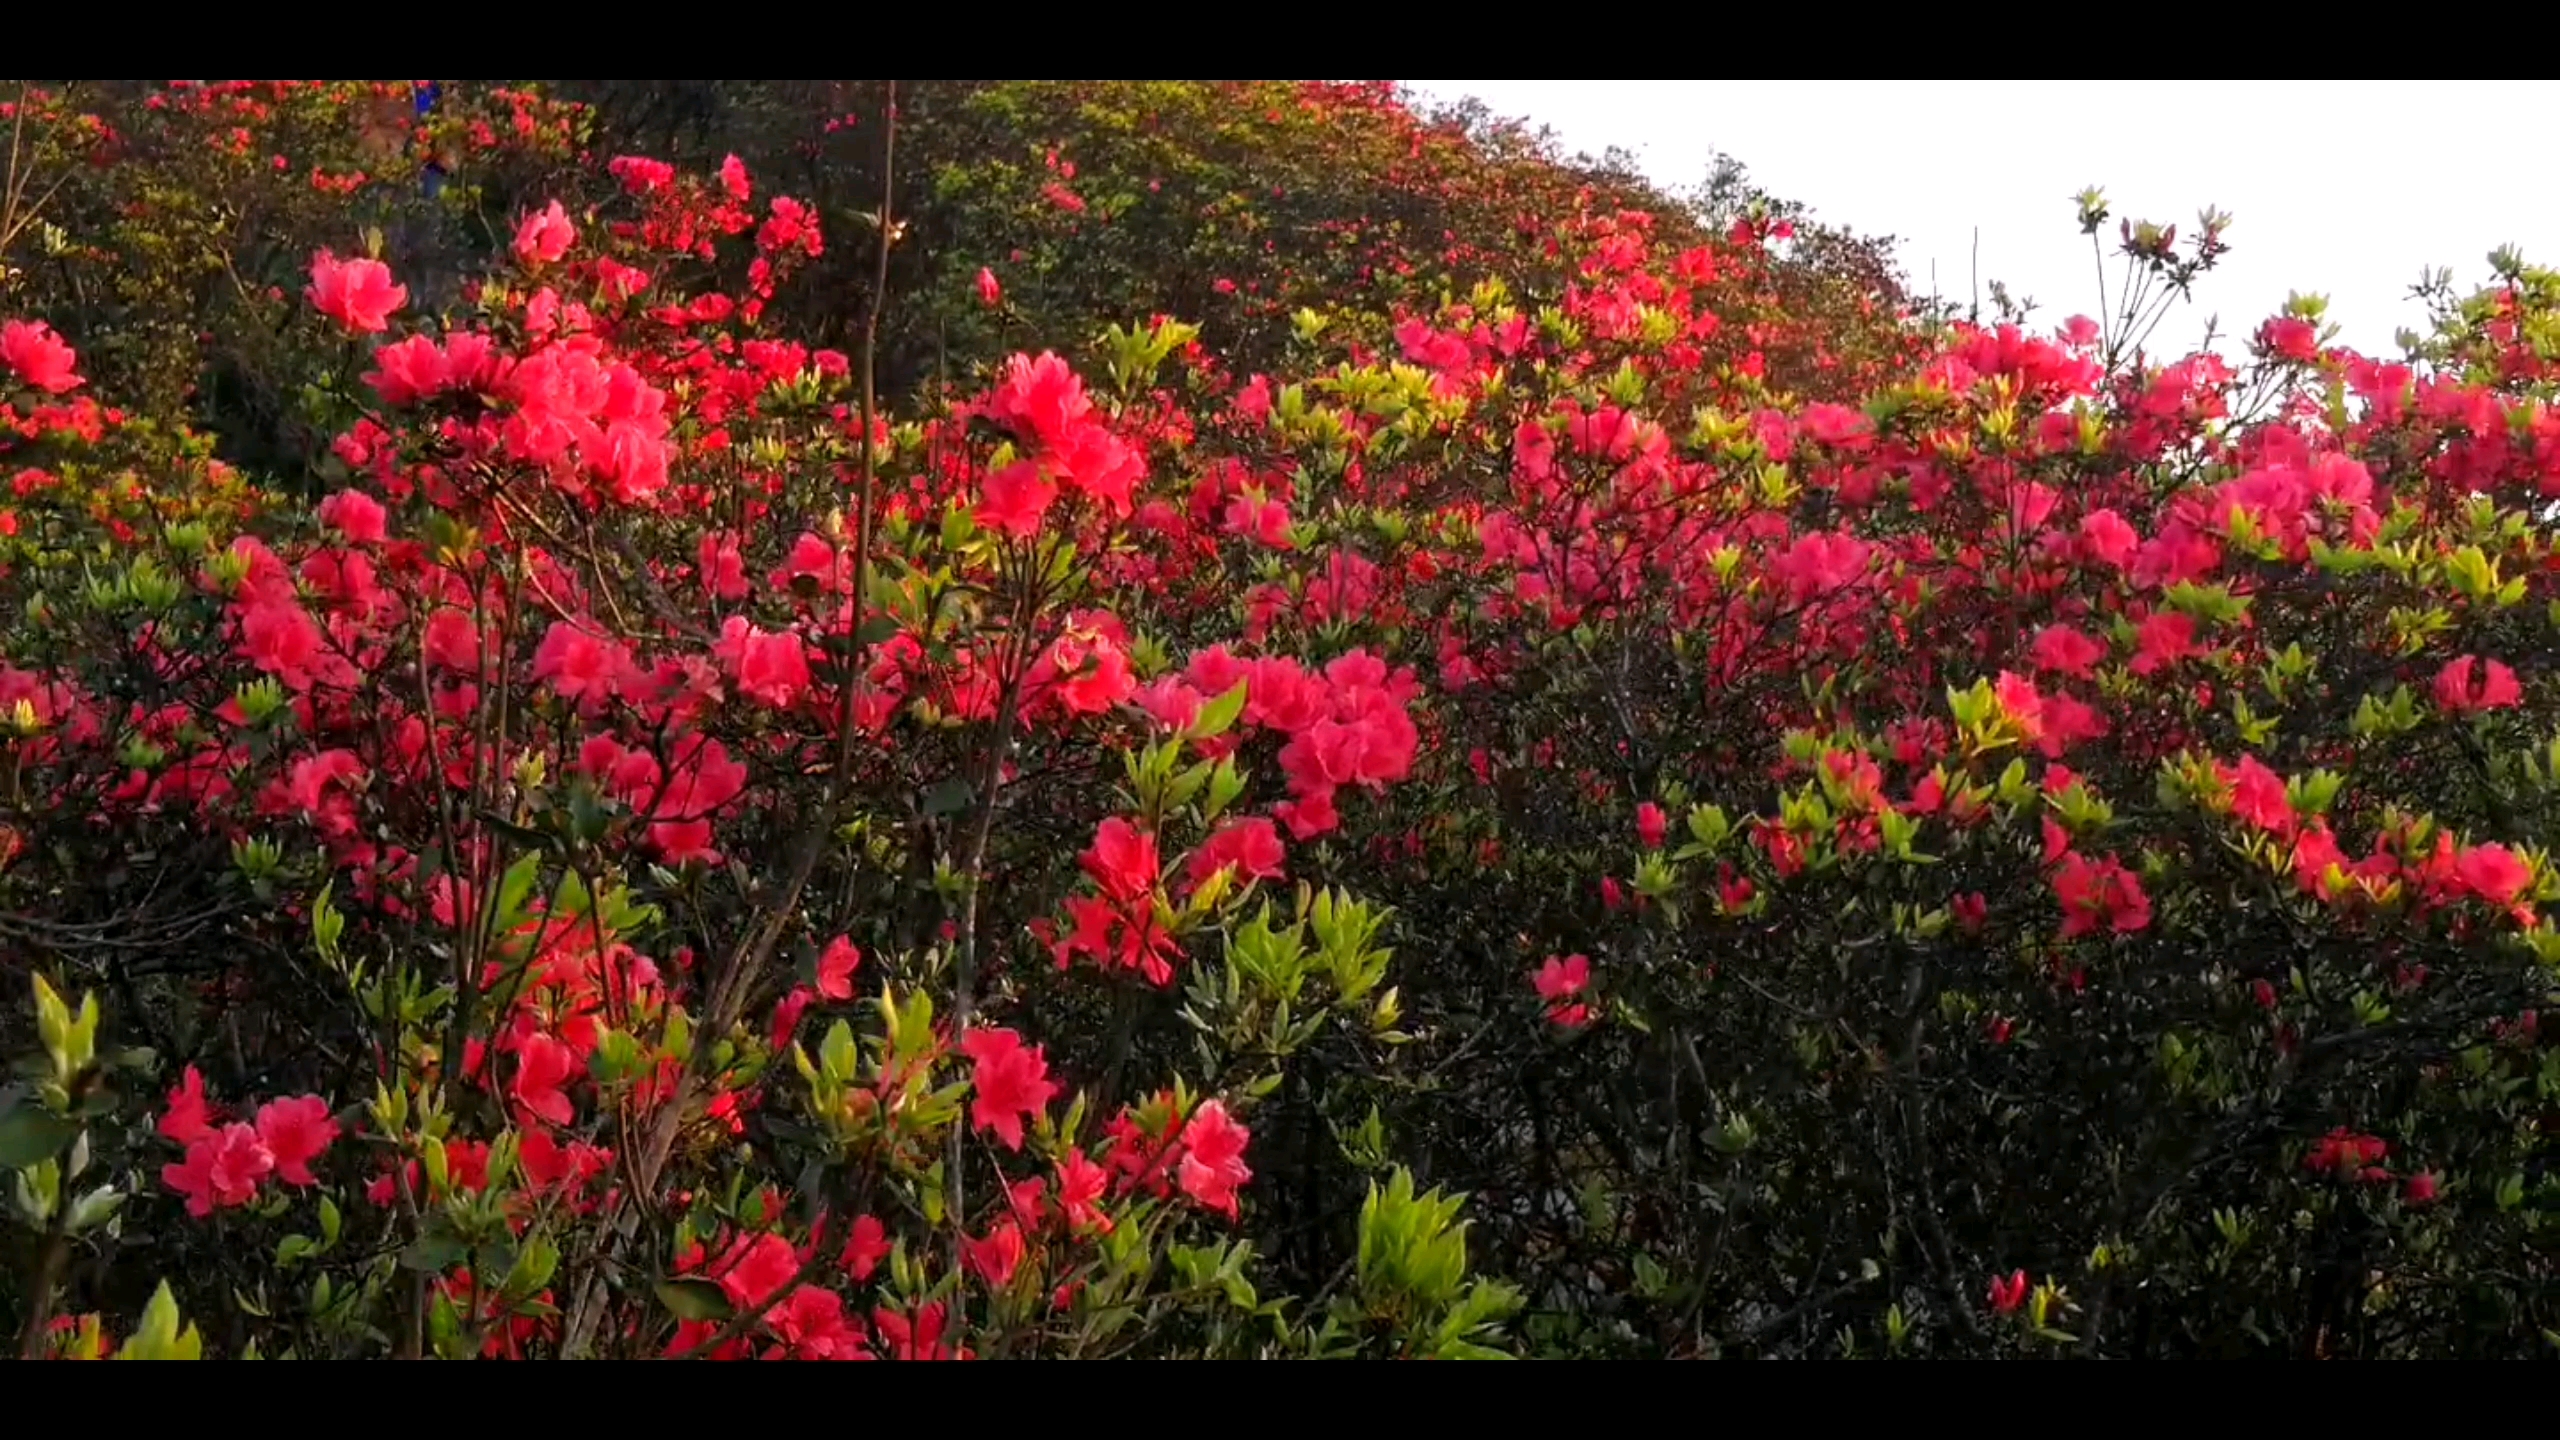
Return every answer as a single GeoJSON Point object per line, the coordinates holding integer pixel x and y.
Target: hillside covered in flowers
{"type": "Point", "coordinates": [973, 719]}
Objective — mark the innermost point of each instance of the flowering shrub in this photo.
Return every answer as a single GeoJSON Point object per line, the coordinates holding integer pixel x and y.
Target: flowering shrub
{"type": "Point", "coordinates": [1505, 828]}
{"type": "Point", "coordinates": [164, 230]}
{"type": "Point", "coordinates": [1230, 204]}
{"type": "Point", "coordinates": [516, 766]}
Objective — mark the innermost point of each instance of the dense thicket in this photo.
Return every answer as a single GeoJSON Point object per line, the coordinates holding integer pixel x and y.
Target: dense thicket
{"type": "Point", "coordinates": [1368, 742]}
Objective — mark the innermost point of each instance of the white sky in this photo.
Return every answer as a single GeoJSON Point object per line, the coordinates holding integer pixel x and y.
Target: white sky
{"type": "Point", "coordinates": [2344, 188]}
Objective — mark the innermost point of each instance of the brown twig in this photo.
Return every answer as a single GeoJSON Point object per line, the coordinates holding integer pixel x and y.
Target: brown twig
{"type": "Point", "coordinates": [57, 1258]}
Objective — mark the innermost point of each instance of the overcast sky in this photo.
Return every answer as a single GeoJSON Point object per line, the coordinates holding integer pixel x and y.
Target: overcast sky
{"type": "Point", "coordinates": [2344, 188]}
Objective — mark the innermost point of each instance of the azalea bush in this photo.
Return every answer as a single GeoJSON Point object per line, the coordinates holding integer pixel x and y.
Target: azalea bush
{"type": "Point", "coordinates": [1229, 204]}
{"type": "Point", "coordinates": [164, 229]}
{"type": "Point", "coordinates": [1495, 819]}
{"type": "Point", "coordinates": [499, 779]}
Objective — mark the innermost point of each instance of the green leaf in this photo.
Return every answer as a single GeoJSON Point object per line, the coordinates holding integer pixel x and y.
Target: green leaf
{"type": "Point", "coordinates": [159, 1336]}
{"type": "Point", "coordinates": [326, 924]}
{"type": "Point", "coordinates": [431, 1254]}
{"type": "Point", "coordinates": [93, 1209]}
{"type": "Point", "coordinates": [521, 834]}
{"type": "Point", "coordinates": [533, 1267]}
{"type": "Point", "coordinates": [1650, 1277]}
{"type": "Point", "coordinates": [31, 1135]}
{"type": "Point", "coordinates": [516, 886]}
{"type": "Point", "coordinates": [948, 798]}
{"type": "Point", "coordinates": [1218, 714]}
{"type": "Point", "coordinates": [587, 817]}
{"type": "Point", "coordinates": [697, 1300]}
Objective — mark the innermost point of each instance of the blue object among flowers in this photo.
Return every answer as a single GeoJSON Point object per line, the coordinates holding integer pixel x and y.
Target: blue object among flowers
{"type": "Point", "coordinates": [429, 92]}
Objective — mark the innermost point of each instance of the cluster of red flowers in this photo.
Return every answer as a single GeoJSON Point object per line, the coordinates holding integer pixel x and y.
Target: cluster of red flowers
{"type": "Point", "coordinates": [1562, 982]}
{"type": "Point", "coordinates": [1043, 403]}
{"type": "Point", "coordinates": [38, 357]}
{"type": "Point", "coordinates": [2349, 1156]}
{"type": "Point", "coordinates": [225, 1164]}
{"type": "Point", "coordinates": [1346, 725]}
